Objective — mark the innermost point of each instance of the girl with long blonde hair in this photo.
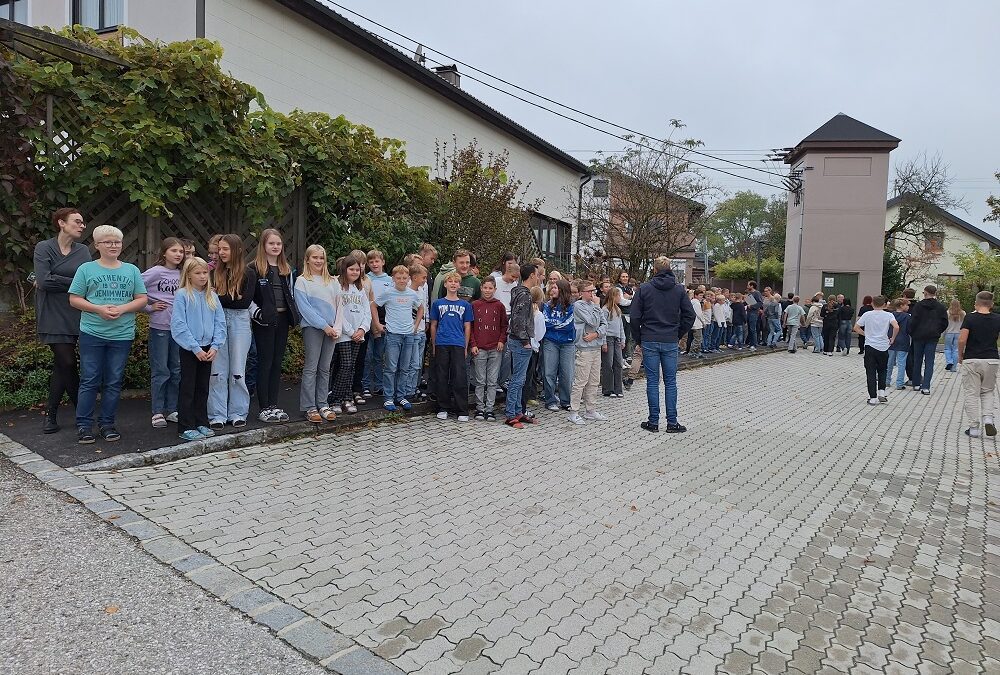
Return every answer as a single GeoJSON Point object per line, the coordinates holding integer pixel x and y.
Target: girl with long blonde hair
{"type": "Point", "coordinates": [613, 351]}
{"type": "Point", "coordinates": [229, 398]}
{"type": "Point", "coordinates": [276, 313]}
{"type": "Point", "coordinates": [198, 325]}
{"type": "Point", "coordinates": [318, 300]}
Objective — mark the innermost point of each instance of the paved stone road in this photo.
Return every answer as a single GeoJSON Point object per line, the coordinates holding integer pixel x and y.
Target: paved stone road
{"type": "Point", "coordinates": [816, 535]}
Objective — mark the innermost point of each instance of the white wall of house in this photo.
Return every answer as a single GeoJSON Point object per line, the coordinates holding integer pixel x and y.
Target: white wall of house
{"type": "Point", "coordinates": [297, 64]}
{"type": "Point", "coordinates": [955, 241]}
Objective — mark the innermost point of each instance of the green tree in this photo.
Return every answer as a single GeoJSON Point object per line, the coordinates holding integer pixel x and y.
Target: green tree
{"type": "Point", "coordinates": [980, 272]}
{"type": "Point", "coordinates": [771, 269]}
{"type": "Point", "coordinates": [893, 273]}
{"type": "Point", "coordinates": [994, 203]}
{"type": "Point", "coordinates": [484, 207]}
{"type": "Point", "coordinates": [745, 218]}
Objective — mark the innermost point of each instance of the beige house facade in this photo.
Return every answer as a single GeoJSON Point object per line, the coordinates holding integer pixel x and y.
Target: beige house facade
{"type": "Point", "coordinates": [836, 219]}
{"type": "Point", "coordinates": [933, 260]}
{"type": "Point", "coordinates": [302, 54]}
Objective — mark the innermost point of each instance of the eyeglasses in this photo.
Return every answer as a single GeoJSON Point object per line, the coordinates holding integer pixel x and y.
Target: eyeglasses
{"type": "Point", "coordinates": [109, 243]}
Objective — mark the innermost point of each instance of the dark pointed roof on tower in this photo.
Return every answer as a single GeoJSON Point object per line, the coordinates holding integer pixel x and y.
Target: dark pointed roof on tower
{"type": "Point", "coordinates": [846, 133]}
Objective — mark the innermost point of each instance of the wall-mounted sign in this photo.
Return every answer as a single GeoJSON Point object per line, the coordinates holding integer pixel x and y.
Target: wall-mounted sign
{"type": "Point", "coordinates": [827, 282]}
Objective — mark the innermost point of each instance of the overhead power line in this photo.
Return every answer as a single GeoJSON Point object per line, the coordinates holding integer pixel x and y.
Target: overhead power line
{"type": "Point", "coordinates": [405, 49]}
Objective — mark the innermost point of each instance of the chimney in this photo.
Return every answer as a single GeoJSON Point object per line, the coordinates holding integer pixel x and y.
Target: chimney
{"type": "Point", "coordinates": [450, 75]}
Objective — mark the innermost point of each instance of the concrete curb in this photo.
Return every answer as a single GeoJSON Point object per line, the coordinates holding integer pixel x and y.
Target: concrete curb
{"type": "Point", "coordinates": [315, 640]}
{"type": "Point", "coordinates": [243, 439]}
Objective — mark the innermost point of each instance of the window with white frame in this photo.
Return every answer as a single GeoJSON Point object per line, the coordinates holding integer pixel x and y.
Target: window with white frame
{"type": "Point", "coordinates": [14, 10]}
{"type": "Point", "coordinates": [99, 14]}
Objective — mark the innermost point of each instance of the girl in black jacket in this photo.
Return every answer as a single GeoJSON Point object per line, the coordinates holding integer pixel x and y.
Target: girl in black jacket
{"type": "Point", "coordinates": [831, 322]}
{"type": "Point", "coordinates": [273, 315]}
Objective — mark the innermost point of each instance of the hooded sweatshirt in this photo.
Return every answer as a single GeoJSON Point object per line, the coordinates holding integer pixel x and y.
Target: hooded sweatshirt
{"type": "Point", "coordinates": [522, 326]}
{"type": "Point", "coordinates": [354, 310]}
{"type": "Point", "coordinates": [589, 318]}
{"type": "Point", "coordinates": [928, 320]}
{"type": "Point", "coordinates": [661, 310]}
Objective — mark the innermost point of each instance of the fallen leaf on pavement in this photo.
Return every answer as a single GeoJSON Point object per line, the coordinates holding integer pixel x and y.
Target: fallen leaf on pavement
{"type": "Point", "coordinates": [232, 454]}
{"type": "Point", "coordinates": [633, 508]}
{"type": "Point", "coordinates": [111, 609]}
{"type": "Point", "coordinates": [607, 525]}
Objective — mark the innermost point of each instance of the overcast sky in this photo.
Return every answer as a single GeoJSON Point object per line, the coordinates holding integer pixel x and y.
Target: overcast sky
{"type": "Point", "coordinates": [744, 76]}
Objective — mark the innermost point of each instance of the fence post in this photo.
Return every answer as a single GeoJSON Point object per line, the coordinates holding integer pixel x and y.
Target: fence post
{"type": "Point", "coordinates": [151, 247]}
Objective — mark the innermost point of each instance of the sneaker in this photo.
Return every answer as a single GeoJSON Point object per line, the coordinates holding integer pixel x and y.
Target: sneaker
{"type": "Point", "coordinates": [925, 392]}
{"type": "Point", "coordinates": [85, 436]}
{"type": "Point", "coordinates": [442, 415]}
{"type": "Point", "coordinates": [490, 417]}
{"type": "Point", "coordinates": [628, 383]}
{"type": "Point", "coordinates": [159, 421]}
{"type": "Point", "coordinates": [480, 416]}
{"type": "Point", "coordinates": [390, 406]}
{"type": "Point", "coordinates": [350, 408]}
{"type": "Point", "coordinates": [949, 367]}
{"type": "Point", "coordinates": [873, 401]}
{"type": "Point", "coordinates": [216, 424]}
{"type": "Point", "coordinates": [359, 398]}
{"type": "Point", "coordinates": [881, 395]}
{"type": "Point", "coordinates": [463, 418]}
{"type": "Point", "coordinates": [650, 427]}
{"type": "Point", "coordinates": [110, 434]}
{"type": "Point", "coordinates": [916, 387]}
{"type": "Point", "coordinates": [595, 416]}
{"type": "Point", "coordinates": [973, 432]}
{"type": "Point", "coordinates": [404, 404]}
{"type": "Point", "coordinates": [529, 418]}
{"type": "Point", "coordinates": [206, 432]}
{"type": "Point", "coordinates": [883, 398]}
{"type": "Point", "coordinates": [172, 418]}
{"type": "Point", "coordinates": [266, 416]}
{"type": "Point", "coordinates": [239, 423]}
{"type": "Point", "coordinates": [753, 349]}
{"type": "Point", "coordinates": [991, 428]}
{"type": "Point", "coordinates": [367, 394]}
{"type": "Point", "coordinates": [337, 409]}
{"type": "Point", "coordinates": [676, 428]}
{"type": "Point", "coordinates": [576, 419]}
{"type": "Point", "coordinates": [281, 415]}
{"type": "Point", "coordinates": [900, 388]}
{"type": "Point", "coordinates": [190, 435]}
{"type": "Point", "coordinates": [554, 407]}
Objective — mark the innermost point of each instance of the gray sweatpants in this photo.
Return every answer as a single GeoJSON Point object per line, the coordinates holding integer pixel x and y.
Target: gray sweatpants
{"type": "Point", "coordinates": [611, 367]}
{"type": "Point", "coordinates": [485, 372]}
{"type": "Point", "coordinates": [979, 379]}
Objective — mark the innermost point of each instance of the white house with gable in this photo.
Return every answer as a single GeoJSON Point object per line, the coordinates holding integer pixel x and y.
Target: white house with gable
{"type": "Point", "coordinates": [302, 54]}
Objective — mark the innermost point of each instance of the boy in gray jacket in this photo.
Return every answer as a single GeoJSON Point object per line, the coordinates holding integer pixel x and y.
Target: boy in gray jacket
{"type": "Point", "coordinates": [591, 329]}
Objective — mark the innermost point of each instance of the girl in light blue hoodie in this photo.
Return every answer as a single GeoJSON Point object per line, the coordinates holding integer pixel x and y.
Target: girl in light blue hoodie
{"type": "Point", "coordinates": [318, 301]}
{"type": "Point", "coordinates": [198, 326]}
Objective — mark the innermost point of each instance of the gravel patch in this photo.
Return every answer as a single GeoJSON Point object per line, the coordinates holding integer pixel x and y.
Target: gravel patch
{"type": "Point", "coordinates": [79, 596]}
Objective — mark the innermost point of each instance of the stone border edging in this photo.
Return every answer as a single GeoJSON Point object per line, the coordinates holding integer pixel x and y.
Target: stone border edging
{"type": "Point", "coordinates": [314, 639]}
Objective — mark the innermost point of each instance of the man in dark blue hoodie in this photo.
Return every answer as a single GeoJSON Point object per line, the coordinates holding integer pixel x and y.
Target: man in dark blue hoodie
{"type": "Point", "coordinates": [661, 312]}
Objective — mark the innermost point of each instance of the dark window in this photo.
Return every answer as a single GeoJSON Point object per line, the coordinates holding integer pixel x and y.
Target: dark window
{"type": "Point", "coordinates": [553, 236]}
{"type": "Point", "coordinates": [586, 230]}
{"type": "Point", "coordinates": [14, 10]}
{"type": "Point", "coordinates": [99, 14]}
{"type": "Point", "coordinates": [600, 189]}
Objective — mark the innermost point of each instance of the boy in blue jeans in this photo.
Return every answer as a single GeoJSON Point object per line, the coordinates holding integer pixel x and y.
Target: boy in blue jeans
{"type": "Point", "coordinates": [416, 343]}
{"type": "Point", "coordinates": [901, 347]}
{"type": "Point", "coordinates": [375, 353]}
{"type": "Point", "coordinates": [400, 302]}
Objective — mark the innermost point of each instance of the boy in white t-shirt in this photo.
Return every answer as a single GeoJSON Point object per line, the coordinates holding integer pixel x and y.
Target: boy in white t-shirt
{"type": "Point", "coordinates": [879, 329]}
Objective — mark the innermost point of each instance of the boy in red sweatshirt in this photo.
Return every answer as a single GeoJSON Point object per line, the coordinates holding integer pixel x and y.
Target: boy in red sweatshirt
{"type": "Point", "coordinates": [489, 330]}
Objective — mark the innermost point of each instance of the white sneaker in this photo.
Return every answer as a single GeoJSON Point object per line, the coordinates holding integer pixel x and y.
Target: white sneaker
{"type": "Point", "coordinates": [172, 417]}
{"type": "Point", "coordinates": [463, 418]}
{"type": "Point", "coordinates": [873, 401]}
{"type": "Point", "coordinates": [267, 416]}
{"type": "Point", "coordinates": [595, 416]}
{"type": "Point", "coordinates": [442, 415]}
{"type": "Point", "coordinates": [554, 407]}
{"type": "Point", "coordinates": [882, 398]}
{"type": "Point", "coordinates": [576, 419]}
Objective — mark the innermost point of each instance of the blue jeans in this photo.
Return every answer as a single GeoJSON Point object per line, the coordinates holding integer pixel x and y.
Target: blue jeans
{"type": "Point", "coordinates": [774, 334]}
{"type": "Point", "coordinates": [844, 335]}
{"type": "Point", "coordinates": [707, 334]}
{"type": "Point", "coordinates": [951, 348]}
{"type": "Point", "coordinates": [739, 337]}
{"type": "Point", "coordinates": [374, 363]}
{"type": "Point", "coordinates": [414, 346]}
{"type": "Point", "coordinates": [397, 363]}
{"type": "Point", "coordinates": [897, 359]}
{"type": "Point", "coordinates": [228, 398]}
{"type": "Point", "coordinates": [102, 369]}
{"type": "Point", "coordinates": [817, 336]}
{"type": "Point", "coordinates": [752, 318]}
{"type": "Point", "coordinates": [923, 359]}
{"type": "Point", "coordinates": [519, 358]}
{"type": "Point", "coordinates": [165, 371]}
{"type": "Point", "coordinates": [660, 357]}
{"type": "Point", "coordinates": [559, 360]}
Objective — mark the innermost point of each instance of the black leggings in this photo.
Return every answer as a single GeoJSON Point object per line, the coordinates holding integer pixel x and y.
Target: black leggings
{"type": "Point", "coordinates": [192, 411]}
{"type": "Point", "coordinates": [65, 377]}
{"type": "Point", "coordinates": [271, 342]}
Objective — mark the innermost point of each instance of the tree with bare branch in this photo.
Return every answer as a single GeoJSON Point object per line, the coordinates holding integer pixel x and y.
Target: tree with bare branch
{"type": "Point", "coordinates": [923, 186]}
{"type": "Point", "coordinates": [652, 205]}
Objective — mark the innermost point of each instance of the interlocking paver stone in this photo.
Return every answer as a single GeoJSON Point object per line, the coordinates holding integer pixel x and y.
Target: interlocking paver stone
{"type": "Point", "coordinates": [854, 541]}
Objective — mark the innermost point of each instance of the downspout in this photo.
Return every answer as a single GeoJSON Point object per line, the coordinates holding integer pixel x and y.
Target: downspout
{"type": "Point", "coordinates": [584, 179]}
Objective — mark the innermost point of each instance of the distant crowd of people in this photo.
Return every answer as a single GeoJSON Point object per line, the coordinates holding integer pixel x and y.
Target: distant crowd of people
{"type": "Point", "coordinates": [219, 331]}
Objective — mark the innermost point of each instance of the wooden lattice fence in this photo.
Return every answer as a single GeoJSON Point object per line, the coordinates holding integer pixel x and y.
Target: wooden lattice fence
{"type": "Point", "coordinates": [197, 219]}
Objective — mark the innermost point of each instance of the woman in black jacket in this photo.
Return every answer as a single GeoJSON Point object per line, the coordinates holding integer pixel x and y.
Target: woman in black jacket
{"type": "Point", "coordinates": [831, 323]}
{"type": "Point", "coordinates": [273, 315]}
